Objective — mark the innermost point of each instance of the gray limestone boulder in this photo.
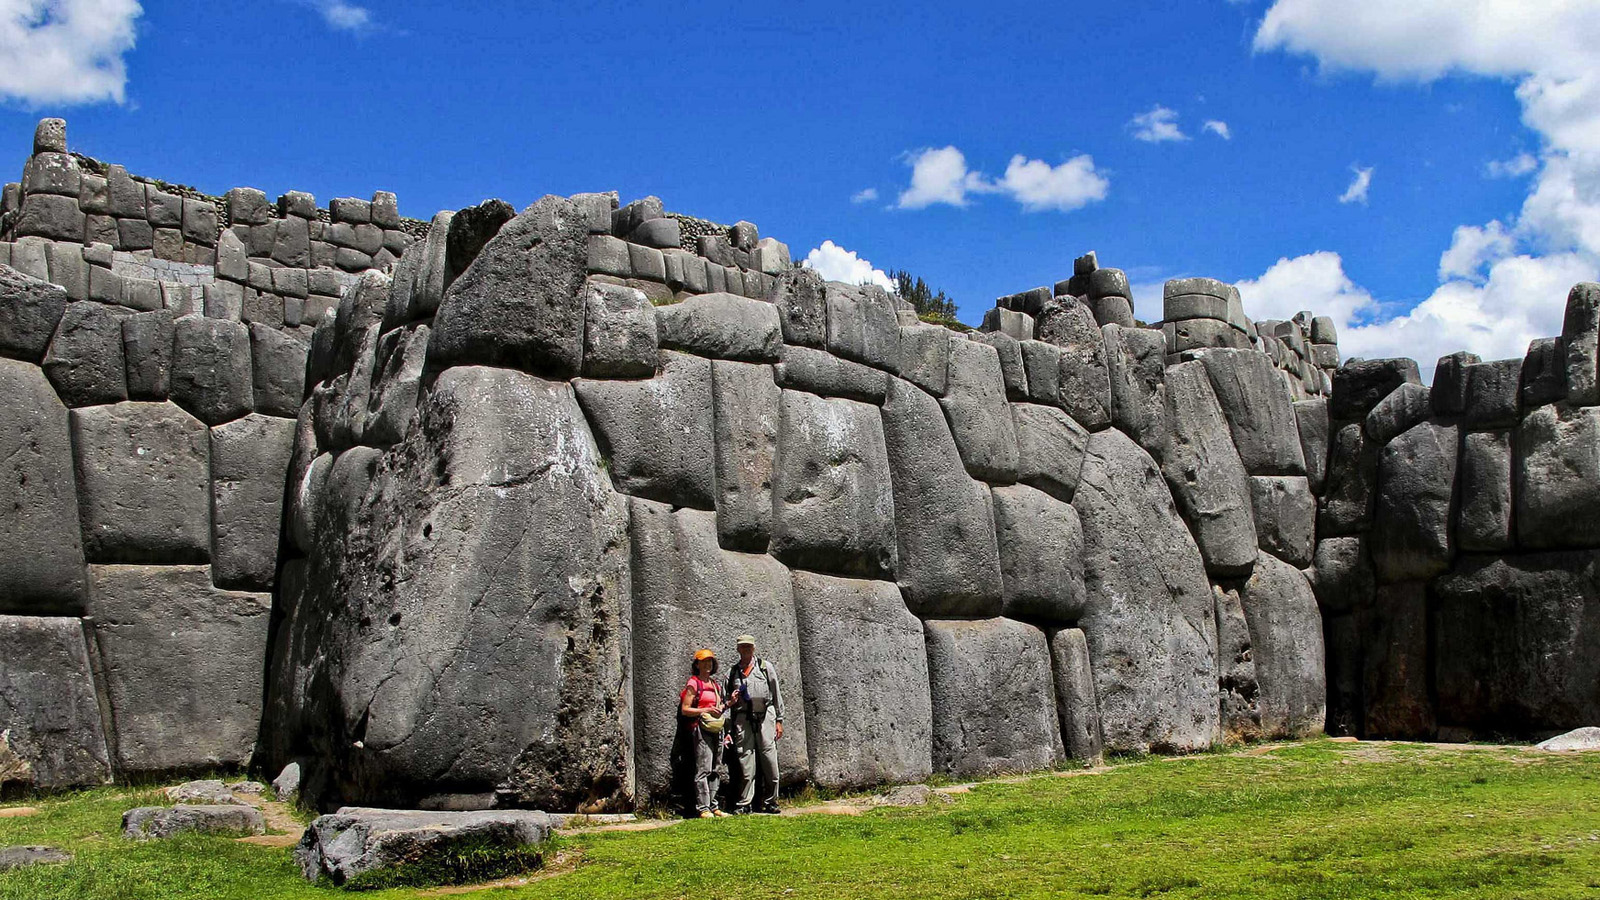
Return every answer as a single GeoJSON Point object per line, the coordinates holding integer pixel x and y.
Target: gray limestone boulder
{"type": "Point", "coordinates": [997, 672]}
{"type": "Point", "coordinates": [1205, 474]}
{"type": "Point", "coordinates": [619, 337]}
{"type": "Point", "coordinates": [1014, 324]}
{"type": "Point", "coordinates": [1041, 368]}
{"type": "Point", "coordinates": [509, 551]}
{"type": "Point", "coordinates": [1558, 477]}
{"type": "Point", "coordinates": [287, 784]}
{"type": "Point", "coordinates": [1285, 517]}
{"type": "Point", "coordinates": [926, 353]}
{"type": "Point", "coordinates": [360, 308]}
{"type": "Point", "coordinates": [519, 304]}
{"type": "Point", "coordinates": [688, 593]}
{"type": "Point", "coordinates": [832, 508]}
{"type": "Point", "coordinates": [1580, 343]}
{"type": "Point", "coordinates": [949, 563]}
{"type": "Point", "coordinates": [85, 361]}
{"type": "Point", "coordinates": [1341, 574]}
{"type": "Point", "coordinates": [1578, 739]}
{"type": "Point", "coordinates": [1449, 393]}
{"type": "Point", "coordinates": [249, 460]}
{"type": "Point", "coordinates": [211, 368]}
{"type": "Point", "coordinates": [22, 857]}
{"type": "Point", "coordinates": [1286, 644]}
{"type": "Point", "coordinates": [1483, 520]}
{"type": "Point", "coordinates": [1041, 555]}
{"type": "Point", "coordinates": [278, 371]}
{"type": "Point", "coordinates": [820, 372]}
{"type": "Point", "coordinates": [1404, 407]}
{"type": "Point", "coordinates": [1411, 538]}
{"type": "Point", "coordinates": [1136, 368]}
{"type": "Point", "coordinates": [1493, 390]}
{"type": "Point", "coordinates": [30, 309]}
{"type": "Point", "coordinates": [205, 792]}
{"type": "Point", "coordinates": [1311, 419]}
{"type": "Point", "coordinates": [1259, 411]}
{"type": "Point", "coordinates": [980, 420]}
{"type": "Point", "coordinates": [1397, 702]}
{"type": "Point", "coordinates": [721, 326]}
{"type": "Point", "coordinates": [1049, 448]}
{"type": "Point", "coordinates": [878, 688]}
{"type": "Point", "coordinates": [802, 307]}
{"type": "Point", "coordinates": [359, 848]}
{"type": "Point", "coordinates": [1085, 388]}
{"type": "Point", "coordinates": [1359, 384]}
{"type": "Point", "coordinates": [42, 570]}
{"type": "Point", "coordinates": [470, 229]}
{"type": "Point", "coordinates": [1238, 690]}
{"type": "Point", "coordinates": [658, 434]}
{"type": "Point", "coordinates": [396, 384]}
{"type": "Point", "coordinates": [50, 723]}
{"type": "Point", "coordinates": [745, 416]}
{"type": "Point", "coordinates": [147, 354]}
{"type": "Point", "coordinates": [1516, 641]}
{"type": "Point", "coordinates": [165, 633]}
{"type": "Point", "coordinates": [143, 474]}
{"type": "Point", "coordinates": [1149, 616]}
{"type": "Point", "coordinates": [862, 325]}
{"type": "Point", "coordinates": [1543, 378]}
{"type": "Point", "coordinates": [158, 822]}
{"type": "Point", "coordinates": [1011, 363]}
{"type": "Point", "coordinates": [1350, 488]}
{"type": "Point", "coordinates": [1076, 706]}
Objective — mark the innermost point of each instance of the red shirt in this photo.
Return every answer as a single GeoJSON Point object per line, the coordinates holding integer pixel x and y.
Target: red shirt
{"type": "Point", "coordinates": [705, 694]}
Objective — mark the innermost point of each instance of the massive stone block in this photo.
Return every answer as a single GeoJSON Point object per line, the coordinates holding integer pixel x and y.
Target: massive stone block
{"type": "Point", "coordinates": [802, 307]}
{"type": "Point", "coordinates": [657, 433]}
{"type": "Point", "coordinates": [1311, 417]}
{"type": "Point", "coordinates": [820, 372]}
{"type": "Point", "coordinates": [721, 326]}
{"type": "Point", "coordinates": [862, 325]}
{"type": "Point", "coordinates": [1493, 390]}
{"type": "Point", "coordinates": [519, 303]}
{"type": "Point", "coordinates": [278, 370]}
{"type": "Point", "coordinates": [688, 594]}
{"type": "Point", "coordinates": [1049, 449]}
{"type": "Point", "coordinates": [1394, 658]}
{"type": "Point", "coordinates": [1149, 616]}
{"type": "Point", "coordinates": [1238, 691]}
{"type": "Point", "coordinates": [1484, 517]}
{"type": "Point", "coordinates": [1518, 643]}
{"type": "Point", "coordinates": [1404, 407]}
{"type": "Point", "coordinates": [147, 352]}
{"type": "Point", "coordinates": [1351, 486]}
{"type": "Point", "coordinates": [869, 716]}
{"type": "Point", "coordinates": [832, 507]}
{"type": "Point", "coordinates": [1286, 644]}
{"type": "Point", "coordinates": [1041, 555]}
{"type": "Point", "coordinates": [396, 384]}
{"type": "Point", "coordinates": [1076, 706]}
{"type": "Point", "coordinates": [949, 563]}
{"type": "Point", "coordinates": [1341, 575]}
{"type": "Point", "coordinates": [1205, 473]}
{"type": "Point", "coordinates": [994, 671]}
{"type": "Point", "coordinates": [50, 731]}
{"type": "Point", "coordinates": [1285, 517]}
{"type": "Point", "coordinates": [1411, 538]}
{"type": "Point", "coordinates": [1449, 393]}
{"type": "Point", "coordinates": [211, 374]}
{"type": "Point", "coordinates": [41, 570]}
{"type": "Point", "coordinates": [619, 337]}
{"type": "Point", "coordinates": [85, 361]}
{"type": "Point", "coordinates": [143, 477]}
{"type": "Point", "coordinates": [1580, 342]}
{"type": "Point", "coordinates": [1259, 411]}
{"type": "Point", "coordinates": [30, 309]}
{"type": "Point", "coordinates": [1136, 367]}
{"type": "Point", "coordinates": [1558, 477]}
{"type": "Point", "coordinates": [745, 404]}
{"type": "Point", "coordinates": [249, 459]}
{"type": "Point", "coordinates": [1358, 385]}
{"type": "Point", "coordinates": [483, 620]}
{"type": "Point", "coordinates": [183, 664]}
{"type": "Point", "coordinates": [980, 421]}
{"type": "Point", "coordinates": [925, 357]}
{"type": "Point", "coordinates": [1084, 385]}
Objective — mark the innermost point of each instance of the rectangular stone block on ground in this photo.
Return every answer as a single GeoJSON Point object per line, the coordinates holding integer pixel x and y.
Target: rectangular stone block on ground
{"type": "Point", "coordinates": [1076, 705]}
{"type": "Point", "coordinates": [51, 736]}
{"type": "Point", "coordinates": [995, 672]}
{"type": "Point", "coordinates": [745, 413]}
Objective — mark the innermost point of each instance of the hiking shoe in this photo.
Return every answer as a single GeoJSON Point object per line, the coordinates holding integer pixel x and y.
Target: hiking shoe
{"type": "Point", "coordinates": [719, 814]}
{"type": "Point", "coordinates": [706, 814]}
{"type": "Point", "coordinates": [742, 810]}
{"type": "Point", "coordinates": [769, 811]}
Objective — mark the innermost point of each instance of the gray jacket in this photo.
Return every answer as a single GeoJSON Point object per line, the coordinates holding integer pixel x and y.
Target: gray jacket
{"type": "Point", "coordinates": [761, 689]}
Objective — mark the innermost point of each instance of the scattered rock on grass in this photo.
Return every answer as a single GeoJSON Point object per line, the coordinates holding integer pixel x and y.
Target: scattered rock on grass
{"type": "Point", "coordinates": [911, 795]}
{"type": "Point", "coordinates": [371, 848]}
{"type": "Point", "coordinates": [19, 857]}
{"type": "Point", "coordinates": [1587, 738]}
{"type": "Point", "coordinates": [287, 783]}
{"type": "Point", "coordinates": [204, 793]}
{"type": "Point", "coordinates": [149, 822]}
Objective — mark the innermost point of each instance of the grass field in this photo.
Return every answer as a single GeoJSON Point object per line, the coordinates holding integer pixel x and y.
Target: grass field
{"type": "Point", "coordinates": [1322, 819]}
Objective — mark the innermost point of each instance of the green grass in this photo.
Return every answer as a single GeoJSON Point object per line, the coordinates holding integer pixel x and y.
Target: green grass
{"type": "Point", "coordinates": [1306, 821]}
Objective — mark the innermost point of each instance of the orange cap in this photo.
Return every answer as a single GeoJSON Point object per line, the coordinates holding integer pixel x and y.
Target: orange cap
{"type": "Point", "coordinates": [704, 654]}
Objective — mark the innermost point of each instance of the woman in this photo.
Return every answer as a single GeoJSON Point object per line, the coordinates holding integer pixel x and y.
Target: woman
{"type": "Point", "coordinates": [703, 695]}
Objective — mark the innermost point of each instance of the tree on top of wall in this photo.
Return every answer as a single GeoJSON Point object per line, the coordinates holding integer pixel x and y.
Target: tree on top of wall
{"type": "Point", "coordinates": [936, 308]}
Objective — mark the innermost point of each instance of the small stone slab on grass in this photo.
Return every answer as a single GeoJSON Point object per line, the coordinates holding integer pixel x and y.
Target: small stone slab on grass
{"type": "Point", "coordinates": [149, 822]}
{"type": "Point", "coordinates": [360, 848]}
{"type": "Point", "coordinates": [1587, 738]}
{"type": "Point", "coordinates": [19, 857]}
{"type": "Point", "coordinates": [210, 792]}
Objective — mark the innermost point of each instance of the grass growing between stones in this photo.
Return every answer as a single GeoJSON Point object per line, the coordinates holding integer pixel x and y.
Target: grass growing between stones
{"type": "Point", "coordinates": [1305, 821]}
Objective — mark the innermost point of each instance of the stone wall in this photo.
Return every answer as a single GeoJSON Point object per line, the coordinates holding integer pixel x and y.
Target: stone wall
{"type": "Point", "coordinates": [452, 539]}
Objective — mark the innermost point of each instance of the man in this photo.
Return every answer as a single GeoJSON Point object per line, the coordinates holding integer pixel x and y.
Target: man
{"type": "Point", "coordinates": [757, 703]}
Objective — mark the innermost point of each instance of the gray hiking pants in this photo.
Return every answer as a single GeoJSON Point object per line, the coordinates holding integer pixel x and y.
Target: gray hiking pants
{"type": "Point", "coordinates": [756, 746]}
{"type": "Point", "coordinates": [707, 757]}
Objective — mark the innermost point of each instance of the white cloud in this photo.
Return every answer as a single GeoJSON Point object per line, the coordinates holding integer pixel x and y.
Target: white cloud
{"type": "Point", "coordinates": [1357, 191]}
{"type": "Point", "coordinates": [865, 195]}
{"type": "Point", "coordinates": [1218, 128]}
{"type": "Point", "coordinates": [941, 175]}
{"type": "Point", "coordinates": [342, 16]}
{"type": "Point", "coordinates": [1515, 167]}
{"type": "Point", "coordinates": [1472, 247]}
{"type": "Point", "coordinates": [1315, 281]}
{"type": "Point", "coordinates": [1157, 125]}
{"type": "Point", "coordinates": [835, 263]}
{"type": "Point", "coordinates": [66, 51]}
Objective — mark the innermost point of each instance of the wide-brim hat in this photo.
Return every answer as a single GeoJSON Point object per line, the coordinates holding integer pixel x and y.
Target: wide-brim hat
{"type": "Point", "coordinates": [746, 639]}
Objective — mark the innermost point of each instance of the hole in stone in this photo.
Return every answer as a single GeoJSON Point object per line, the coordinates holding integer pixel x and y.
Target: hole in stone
{"type": "Point", "coordinates": [394, 619]}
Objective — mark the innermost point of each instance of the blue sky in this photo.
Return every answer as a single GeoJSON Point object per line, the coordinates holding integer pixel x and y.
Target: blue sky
{"type": "Point", "coordinates": [813, 120]}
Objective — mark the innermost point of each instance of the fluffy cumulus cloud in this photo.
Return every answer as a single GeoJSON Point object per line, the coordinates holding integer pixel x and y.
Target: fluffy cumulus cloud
{"type": "Point", "coordinates": [1218, 128]}
{"type": "Point", "coordinates": [342, 16]}
{"type": "Point", "coordinates": [835, 263]}
{"type": "Point", "coordinates": [66, 51]}
{"type": "Point", "coordinates": [941, 176]}
{"type": "Point", "coordinates": [1359, 185]}
{"type": "Point", "coordinates": [1502, 284]}
{"type": "Point", "coordinates": [1157, 125]}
